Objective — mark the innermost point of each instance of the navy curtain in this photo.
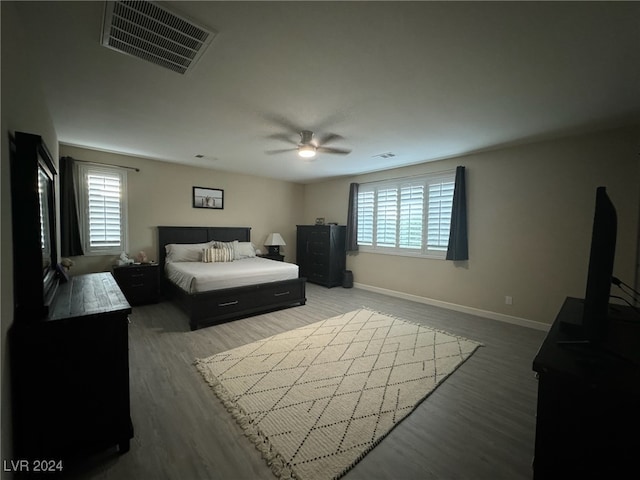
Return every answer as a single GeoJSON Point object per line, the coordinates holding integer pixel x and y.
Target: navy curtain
{"type": "Point", "coordinates": [458, 248]}
{"type": "Point", "coordinates": [352, 219]}
{"type": "Point", "coordinates": [70, 244]}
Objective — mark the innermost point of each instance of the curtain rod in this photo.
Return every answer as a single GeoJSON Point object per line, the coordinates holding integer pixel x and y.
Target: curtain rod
{"type": "Point", "coordinates": [408, 177]}
{"type": "Point", "coordinates": [108, 165]}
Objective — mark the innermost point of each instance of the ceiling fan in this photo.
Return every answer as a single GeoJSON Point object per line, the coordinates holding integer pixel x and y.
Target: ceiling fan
{"type": "Point", "coordinates": [308, 147]}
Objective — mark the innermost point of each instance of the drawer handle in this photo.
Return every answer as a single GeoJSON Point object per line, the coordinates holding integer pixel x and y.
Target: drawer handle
{"type": "Point", "coordinates": [137, 285]}
{"type": "Point", "coordinates": [228, 303]}
{"type": "Point", "coordinates": [280, 294]}
{"type": "Point", "coordinates": [137, 275]}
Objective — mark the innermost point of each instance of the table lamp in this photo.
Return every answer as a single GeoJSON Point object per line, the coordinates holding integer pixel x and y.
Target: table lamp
{"type": "Point", "coordinates": [274, 241]}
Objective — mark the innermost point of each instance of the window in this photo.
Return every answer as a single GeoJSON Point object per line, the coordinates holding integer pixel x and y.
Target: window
{"type": "Point", "coordinates": [407, 216]}
{"type": "Point", "coordinates": [103, 213]}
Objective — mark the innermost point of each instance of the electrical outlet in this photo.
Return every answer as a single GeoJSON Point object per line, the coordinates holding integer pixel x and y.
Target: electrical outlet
{"type": "Point", "coordinates": [508, 300]}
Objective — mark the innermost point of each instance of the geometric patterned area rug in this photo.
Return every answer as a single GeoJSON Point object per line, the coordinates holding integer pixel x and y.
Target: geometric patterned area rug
{"type": "Point", "coordinates": [315, 400]}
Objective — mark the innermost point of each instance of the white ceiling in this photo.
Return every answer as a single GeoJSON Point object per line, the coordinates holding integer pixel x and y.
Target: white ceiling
{"type": "Point", "coordinates": [423, 80]}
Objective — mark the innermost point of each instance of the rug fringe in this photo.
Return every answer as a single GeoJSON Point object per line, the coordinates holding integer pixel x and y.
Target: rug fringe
{"type": "Point", "coordinates": [280, 468]}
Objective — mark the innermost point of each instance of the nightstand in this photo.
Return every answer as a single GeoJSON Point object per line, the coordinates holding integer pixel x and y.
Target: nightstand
{"type": "Point", "coordinates": [140, 283]}
{"type": "Point", "coordinates": [272, 256]}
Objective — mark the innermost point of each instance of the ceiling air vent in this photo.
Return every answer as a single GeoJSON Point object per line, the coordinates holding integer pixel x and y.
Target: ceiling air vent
{"type": "Point", "coordinates": [150, 32]}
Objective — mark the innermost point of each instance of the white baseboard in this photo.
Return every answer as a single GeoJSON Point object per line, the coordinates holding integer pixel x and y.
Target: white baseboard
{"type": "Point", "coordinates": [523, 322]}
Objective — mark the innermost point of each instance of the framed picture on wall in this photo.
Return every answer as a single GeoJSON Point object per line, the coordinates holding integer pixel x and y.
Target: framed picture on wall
{"type": "Point", "coordinates": [212, 198]}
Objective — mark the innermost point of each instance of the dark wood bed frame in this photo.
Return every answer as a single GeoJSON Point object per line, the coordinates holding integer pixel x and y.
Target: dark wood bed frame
{"type": "Point", "coordinates": [217, 306]}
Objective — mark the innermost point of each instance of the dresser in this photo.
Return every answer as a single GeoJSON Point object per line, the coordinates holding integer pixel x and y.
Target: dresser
{"type": "Point", "coordinates": [272, 256]}
{"type": "Point", "coordinates": [321, 253]}
{"type": "Point", "coordinates": [70, 374]}
{"type": "Point", "coordinates": [587, 418]}
{"type": "Point", "coordinates": [140, 283]}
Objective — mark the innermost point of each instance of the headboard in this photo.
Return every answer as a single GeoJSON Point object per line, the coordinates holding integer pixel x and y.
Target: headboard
{"type": "Point", "coordinates": [198, 235]}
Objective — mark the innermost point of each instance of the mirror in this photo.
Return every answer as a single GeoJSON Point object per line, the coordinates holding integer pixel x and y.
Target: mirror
{"type": "Point", "coordinates": [44, 192]}
{"type": "Point", "coordinates": [33, 220]}
{"type": "Point", "coordinates": [47, 220]}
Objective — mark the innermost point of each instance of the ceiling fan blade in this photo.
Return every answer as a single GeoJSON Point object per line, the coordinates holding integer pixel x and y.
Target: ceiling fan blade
{"type": "Point", "coordinates": [283, 150]}
{"type": "Point", "coordinates": [339, 151]}
{"type": "Point", "coordinates": [284, 123]}
{"type": "Point", "coordinates": [329, 121]}
{"type": "Point", "coordinates": [330, 137]}
{"type": "Point", "coordinates": [283, 137]}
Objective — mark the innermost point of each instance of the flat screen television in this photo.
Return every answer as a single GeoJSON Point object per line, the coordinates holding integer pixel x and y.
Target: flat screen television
{"type": "Point", "coordinates": [601, 258]}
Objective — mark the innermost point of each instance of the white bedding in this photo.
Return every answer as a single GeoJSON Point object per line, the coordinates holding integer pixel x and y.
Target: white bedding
{"type": "Point", "coordinates": [195, 277]}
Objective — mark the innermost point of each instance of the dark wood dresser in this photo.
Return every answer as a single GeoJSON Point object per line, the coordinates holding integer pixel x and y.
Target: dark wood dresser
{"type": "Point", "coordinates": [588, 418]}
{"type": "Point", "coordinates": [321, 253]}
{"type": "Point", "coordinates": [140, 283]}
{"type": "Point", "coordinates": [70, 374]}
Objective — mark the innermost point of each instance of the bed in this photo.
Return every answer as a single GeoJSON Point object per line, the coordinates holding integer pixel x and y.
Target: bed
{"type": "Point", "coordinates": [255, 293]}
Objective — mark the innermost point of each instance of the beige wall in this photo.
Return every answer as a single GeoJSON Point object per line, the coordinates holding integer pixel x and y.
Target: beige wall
{"type": "Point", "coordinates": [23, 109]}
{"type": "Point", "coordinates": [530, 212]}
{"type": "Point", "coordinates": [161, 194]}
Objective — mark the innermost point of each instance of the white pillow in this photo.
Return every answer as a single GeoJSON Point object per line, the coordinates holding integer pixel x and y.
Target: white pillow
{"type": "Point", "coordinates": [245, 250]}
{"type": "Point", "coordinates": [185, 252]}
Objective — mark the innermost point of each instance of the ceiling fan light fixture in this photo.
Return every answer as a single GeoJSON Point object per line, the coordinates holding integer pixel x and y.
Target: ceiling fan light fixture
{"type": "Point", "coordinates": [307, 151]}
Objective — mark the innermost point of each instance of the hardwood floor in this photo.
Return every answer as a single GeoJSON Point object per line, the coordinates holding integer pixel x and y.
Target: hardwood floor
{"type": "Point", "coordinates": [479, 424]}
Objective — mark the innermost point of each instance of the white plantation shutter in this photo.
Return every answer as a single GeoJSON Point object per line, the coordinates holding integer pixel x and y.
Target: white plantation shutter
{"type": "Point", "coordinates": [439, 222]}
{"type": "Point", "coordinates": [411, 215]}
{"type": "Point", "coordinates": [406, 216]}
{"type": "Point", "coordinates": [387, 213]}
{"type": "Point", "coordinates": [365, 217]}
{"type": "Point", "coordinates": [103, 194]}
{"type": "Point", "coordinates": [104, 210]}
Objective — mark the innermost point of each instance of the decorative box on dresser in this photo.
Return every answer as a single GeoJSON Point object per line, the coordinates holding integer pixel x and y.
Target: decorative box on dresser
{"type": "Point", "coordinates": [140, 282]}
{"type": "Point", "coordinates": [321, 253]}
{"type": "Point", "coordinates": [71, 374]}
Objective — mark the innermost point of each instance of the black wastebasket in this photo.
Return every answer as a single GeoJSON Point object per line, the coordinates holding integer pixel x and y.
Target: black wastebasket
{"type": "Point", "coordinates": [347, 279]}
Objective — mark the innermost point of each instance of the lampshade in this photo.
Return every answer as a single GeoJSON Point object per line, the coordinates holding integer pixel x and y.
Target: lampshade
{"type": "Point", "coordinates": [274, 239]}
{"type": "Point", "coordinates": [307, 151]}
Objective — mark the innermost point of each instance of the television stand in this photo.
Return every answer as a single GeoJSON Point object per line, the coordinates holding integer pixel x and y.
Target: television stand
{"type": "Point", "coordinates": [588, 397]}
{"type": "Point", "coordinates": [574, 342]}
{"type": "Point", "coordinates": [623, 331]}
